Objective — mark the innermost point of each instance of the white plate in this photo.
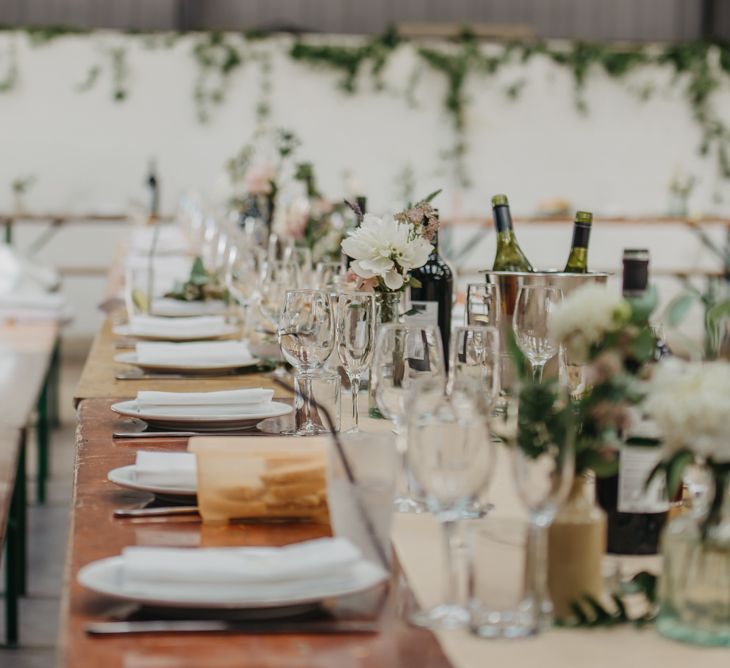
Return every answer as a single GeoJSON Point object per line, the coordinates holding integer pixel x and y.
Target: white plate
{"type": "Point", "coordinates": [227, 330]}
{"type": "Point", "coordinates": [177, 308]}
{"type": "Point", "coordinates": [162, 417]}
{"type": "Point", "coordinates": [188, 367]}
{"type": "Point", "coordinates": [126, 476]}
{"type": "Point", "coordinates": [105, 577]}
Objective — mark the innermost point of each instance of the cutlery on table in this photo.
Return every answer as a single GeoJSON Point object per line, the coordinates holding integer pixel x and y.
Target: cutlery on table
{"type": "Point", "coordinates": [162, 511]}
{"type": "Point", "coordinates": [181, 434]}
{"type": "Point", "coordinates": [141, 375]}
{"type": "Point", "coordinates": [225, 626]}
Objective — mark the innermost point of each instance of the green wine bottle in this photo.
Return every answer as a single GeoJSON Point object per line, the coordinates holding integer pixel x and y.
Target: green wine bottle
{"type": "Point", "coordinates": [578, 259]}
{"type": "Point", "coordinates": [509, 255]}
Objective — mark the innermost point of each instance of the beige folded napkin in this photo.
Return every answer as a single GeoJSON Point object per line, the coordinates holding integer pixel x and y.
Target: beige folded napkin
{"type": "Point", "coordinates": [199, 353]}
{"type": "Point", "coordinates": [168, 469]}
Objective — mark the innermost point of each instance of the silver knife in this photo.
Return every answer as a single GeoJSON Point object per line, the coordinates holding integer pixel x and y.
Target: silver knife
{"type": "Point", "coordinates": [225, 626]}
{"type": "Point", "coordinates": [181, 434]}
{"type": "Point", "coordinates": [162, 511]}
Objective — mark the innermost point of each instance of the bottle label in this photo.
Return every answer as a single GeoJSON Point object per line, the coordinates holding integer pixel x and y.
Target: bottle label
{"type": "Point", "coordinates": [426, 313]}
{"type": "Point", "coordinates": [634, 496]}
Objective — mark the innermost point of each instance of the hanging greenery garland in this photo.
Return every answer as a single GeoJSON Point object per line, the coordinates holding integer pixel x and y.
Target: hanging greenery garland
{"type": "Point", "coordinates": [700, 67]}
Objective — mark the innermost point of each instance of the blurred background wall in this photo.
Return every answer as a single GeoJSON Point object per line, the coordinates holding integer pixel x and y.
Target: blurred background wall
{"type": "Point", "coordinates": [584, 19]}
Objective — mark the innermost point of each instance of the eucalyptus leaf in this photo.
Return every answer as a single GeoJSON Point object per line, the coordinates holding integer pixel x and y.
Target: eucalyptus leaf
{"type": "Point", "coordinates": [678, 308]}
{"type": "Point", "coordinates": [642, 307]}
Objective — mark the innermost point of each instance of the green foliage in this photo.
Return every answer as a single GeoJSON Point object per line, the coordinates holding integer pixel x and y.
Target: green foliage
{"type": "Point", "coordinates": [588, 612]}
{"type": "Point", "coordinates": [350, 59]}
{"type": "Point", "coordinates": [217, 58]}
{"type": "Point", "coordinates": [672, 468]}
{"type": "Point", "coordinates": [201, 285]}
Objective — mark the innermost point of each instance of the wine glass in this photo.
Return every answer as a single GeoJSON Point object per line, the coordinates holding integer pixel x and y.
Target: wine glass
{"type": "Point", "coordinates": [483, 305]}
{"type": "Point", "coordinates": [328, 275]}
{"type": "Point", "coordinates": [407, 358]}
{"type": "Point", "coordinates": [530, 323]}
{"type": "Point", "coordinates": [543, 464]}
{"type": "Point", "coordinates": [451, 458]}
{"type": "Point", "coordinates": [302, 257]}
{"type": "Point", "coordinates": [474, 365]}
{"type": "Point", "coordinates": [355, 339]}
{"type": "Point", "coordinates": [306, 335]}
{"type": "Point", "coordinates": [275, 279]}
{"type": "Point", "coordinates": [242, 270]}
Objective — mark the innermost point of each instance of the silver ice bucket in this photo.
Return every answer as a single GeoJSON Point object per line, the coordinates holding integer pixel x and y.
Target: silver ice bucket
{"type": "Point", "coordinates": [509, 284]}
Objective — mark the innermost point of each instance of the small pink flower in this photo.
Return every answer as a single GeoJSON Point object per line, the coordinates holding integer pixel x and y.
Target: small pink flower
{"type": "Point", "coordinates": [321, 207]}
{"type": "Point", "coordinates": [364, 284]}
{"type": "Point", "coordinates": [258, 179]}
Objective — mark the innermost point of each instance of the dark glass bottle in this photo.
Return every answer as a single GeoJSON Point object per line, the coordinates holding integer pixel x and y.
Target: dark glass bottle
{"type": "Point", "coordinates": [509, 255]}
{"type": "Point", "coordinates": [578, 259]}
{"type": "Point", "coordinates": [636, 516]}
{"type": "Point", "coordinates": [433, 300]}
{"type": "Point", "coordinates": [354, 221]}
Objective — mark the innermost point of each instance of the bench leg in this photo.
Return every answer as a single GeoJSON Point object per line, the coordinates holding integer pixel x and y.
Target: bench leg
{"type": "Point", "coordinates": [15, 552]}
{"type": "Point", "coordinates": [42, 435]}
{"type": "Point", "coordinates": [54, 379]}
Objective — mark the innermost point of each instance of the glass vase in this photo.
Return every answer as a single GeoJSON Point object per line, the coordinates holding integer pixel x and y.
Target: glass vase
{"type": "Point", "coordinates": [694, 589]}
{"type": "Point", "coordinates": [576, 545]}
{"type": "Point", "coordinates": [387, 309]}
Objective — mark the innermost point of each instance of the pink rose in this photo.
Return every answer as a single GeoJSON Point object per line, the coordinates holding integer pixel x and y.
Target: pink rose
{"type": "Point", "coordinates": [258, 178]}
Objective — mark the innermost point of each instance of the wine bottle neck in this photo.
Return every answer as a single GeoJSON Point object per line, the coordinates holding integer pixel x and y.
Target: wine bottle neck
{"type": "Point", "coordinates": [581, 235]}
{"type": "Point", "coordinates": [502, 219]}
{"type": "Point", "coordinates": [435, 244]}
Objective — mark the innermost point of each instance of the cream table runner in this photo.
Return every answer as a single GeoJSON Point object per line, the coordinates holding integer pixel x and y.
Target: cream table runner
{"type": "Point", "coordinates": [417, 540]}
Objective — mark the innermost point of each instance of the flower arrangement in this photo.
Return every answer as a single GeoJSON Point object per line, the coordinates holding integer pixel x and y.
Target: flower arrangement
{"type": "Point", "coordinates": [385, 249]}
{"type": "Point", "coordinates": [202, 285]}
{"type": "Point", "coordinates": [611, 335]}
{"type": "Point", "coordinates": [690, 403]}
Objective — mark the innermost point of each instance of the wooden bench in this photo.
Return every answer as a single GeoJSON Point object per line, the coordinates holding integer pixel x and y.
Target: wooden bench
{"type": "Point", "coordinates": [29, 361]}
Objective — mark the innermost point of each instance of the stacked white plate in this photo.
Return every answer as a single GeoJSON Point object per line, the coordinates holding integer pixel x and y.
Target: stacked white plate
{"type": "Point", "coordinates": [195, 357]}
{"type": "Point", "coordinates": [157, 328]}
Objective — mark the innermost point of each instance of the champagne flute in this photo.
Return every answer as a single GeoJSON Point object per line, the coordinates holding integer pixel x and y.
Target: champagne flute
{"type": "Point", "coordinates": [452, 459]}
{"type": "Point", "coordinates": [355, 340]}
{"type": "Point", "coordinates": [242, 270]}
{"type": "Point", "coordinates": [306, 335]}
{"type": "Point", "coordinates": [483, 305]}
{"type": "Point", "coordinates": [274, 280]}
{"type": "Point", "coordinates": [530, 323]}
{"type": "Point", "coordinates": [407, 357]}
{"type": "Point", "coordinates": [543, 464]}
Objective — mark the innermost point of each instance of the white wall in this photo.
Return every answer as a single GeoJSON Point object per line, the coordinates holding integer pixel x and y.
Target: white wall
{"type": "Point", "coordinates": [90, 154]}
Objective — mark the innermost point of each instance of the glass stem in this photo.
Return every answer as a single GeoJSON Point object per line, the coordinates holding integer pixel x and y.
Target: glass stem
{"type": "Point", "coordinates": [244, 320]}
{"type": "Point", "coordinates": [401, 445]}
{"type": "Point", "coordinates": [307, 400]}
{"type": "Point", "coordinates": [355, 387]}
{"type": "Point", "coordinates": [536, 566]}
{"type": "Point", "coordinates": [537, 369]}
{"type": "Point", "coordinates": [451, 583]}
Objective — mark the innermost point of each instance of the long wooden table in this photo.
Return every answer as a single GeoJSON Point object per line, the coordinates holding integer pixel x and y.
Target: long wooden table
{"type": "Point", "coordinates": [96, 534]}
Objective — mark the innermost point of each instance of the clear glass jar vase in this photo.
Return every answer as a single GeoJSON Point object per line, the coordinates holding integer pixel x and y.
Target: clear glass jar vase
{"type": "Point", "coordinates": [694, 589]}
{"type": "Point", "coordinates": [387, 309]}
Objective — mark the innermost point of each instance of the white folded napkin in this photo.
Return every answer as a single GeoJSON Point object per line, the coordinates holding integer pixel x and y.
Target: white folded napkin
{"type": "Point", "coordinates": [168, 469]}
{"type": "Point", "coordinates": [149, 325]}
{"type": "Point", "coordinates": [201, 353]}
{"type": "Point", "coordinates": [248, 397]}
{"type": "Point", "coordinates": [168, 307]}
{"type": "Point", "coordinates": [266, 567]}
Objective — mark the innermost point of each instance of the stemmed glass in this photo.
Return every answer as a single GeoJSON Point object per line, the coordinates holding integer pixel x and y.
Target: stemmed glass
{"type": "Point", "coordinates": [242, 271]}
{"type": "Point", "coordinates": [275, 279]}
{"type": "Point", "coordinates": [483, 305]}
{"type": "Point", "coordinates": [328, 275]}
{"type": "Point", "coordinates": [452, 459]}
{"type": "Point", "coordinates": [355, 340]}
{"type": "Point", "coordinates": [407, 358]}
{"type": "Point", "coordinates": [474, 365]}
{"type": "Point", "coordinates": [543, 466]}
{"type": "Point", "coordinates": [306, 335]}
{"type": "Point", "coordinates": [530, 323]}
